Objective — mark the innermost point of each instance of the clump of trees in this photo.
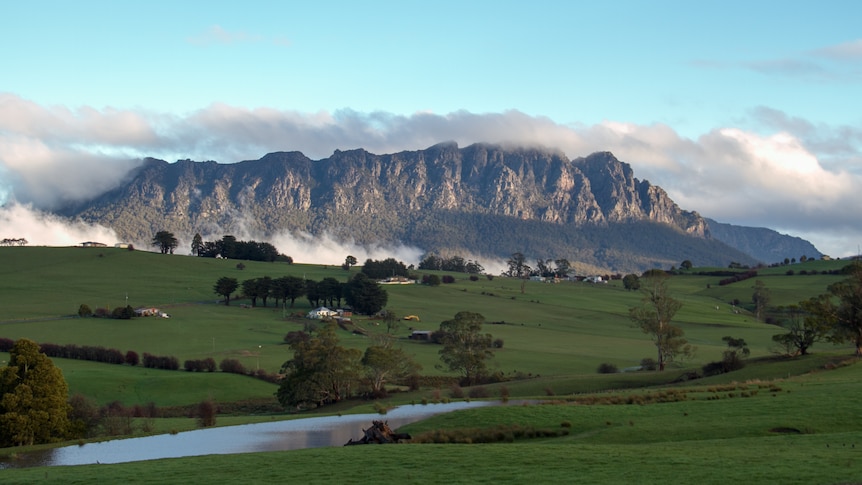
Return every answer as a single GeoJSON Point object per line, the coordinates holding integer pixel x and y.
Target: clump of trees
{"type": "Point", "coordinates": [453, 263]}
{"type": "Point", "coordinates": [382, 269]}
{"type": "Point", "coordinates": [33, 406]}
{"type": "Point", "coordinates": [229, 247]}
{"type": "Point", "coordinates": [835, 316]}
{"type": "Point", "coordinates": [322, 371]}
{"type": "Point", "coordinates": [365, 295]}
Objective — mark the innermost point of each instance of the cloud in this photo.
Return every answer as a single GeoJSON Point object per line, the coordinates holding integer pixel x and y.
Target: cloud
{"type": "Point", "coordinates": [835, 63]}
{"type": "Point", "coordinates": [799, 177]}
{"type": "Point", "coordinates": [851, 51]}
{"type": "Point", "coordinates": [218, 35]}
{"type": "Point", "coordinates": [45, 229]}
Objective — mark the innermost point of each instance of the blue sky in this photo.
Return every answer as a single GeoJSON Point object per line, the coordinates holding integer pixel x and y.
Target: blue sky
{"type": "Point", "coordinates": [748, 112]}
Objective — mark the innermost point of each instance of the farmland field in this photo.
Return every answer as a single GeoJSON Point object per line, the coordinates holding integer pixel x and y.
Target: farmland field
{"type": "Point", "coordinates": [555, 336]}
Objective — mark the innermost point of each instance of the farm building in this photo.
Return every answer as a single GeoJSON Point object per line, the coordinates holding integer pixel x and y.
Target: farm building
{"type": "Point", "coordinates": [321, 313]}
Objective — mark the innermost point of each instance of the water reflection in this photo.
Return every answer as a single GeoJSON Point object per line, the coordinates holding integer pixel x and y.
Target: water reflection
{"type": "Point", "coordinates": [248, 438]}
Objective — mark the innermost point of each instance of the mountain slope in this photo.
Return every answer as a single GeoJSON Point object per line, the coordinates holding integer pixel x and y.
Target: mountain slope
{"type": "Point", "coordinates": [482, 199]}
{"type": "Point", "coordinates": [763, 244]}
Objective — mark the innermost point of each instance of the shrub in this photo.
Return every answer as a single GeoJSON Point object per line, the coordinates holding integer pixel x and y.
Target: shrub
{"type": "Point", "coordinates": [206, 414]}
{"type": "Point", "coordinates": [431, 280]}
{"type": "Point", "coordinates": [607, 368]}
{"type": "Point", "coordinates": [648, 363]}
{"type": "Point", "coordinates": [456, 392]}
{"type": "Point", "coordinates": [132, 358]}
{"type": "Point", "coordinates": [448, 279]}
{"type": "Point", "coordinates": [498, 343]}
{"type": "Point", "coordinates": [232, 366]}
{"type": "Point", "coordinates": [84, 310]}
{"type": "Point", "coordinates": [6, 344]}
{"type": "Point", "coordinates": [474, 277]}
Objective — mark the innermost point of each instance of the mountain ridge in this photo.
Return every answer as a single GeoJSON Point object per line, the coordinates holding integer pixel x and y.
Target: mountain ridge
{"type": "Point", "coordinates": [482, 199]}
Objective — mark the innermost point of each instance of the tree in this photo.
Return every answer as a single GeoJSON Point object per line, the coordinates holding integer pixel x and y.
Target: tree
{"type": "Point", "coordinates": [810, 322]}
{"type": "Point", "coordinates": [563, 266]}
{"type": "Point", "coordinates": [365, 295]}
{"type": "Point", "coordinates": [249, 289]}
{"type": "Point", "coordinates": [847, 314]}
{"type": "Point", "coordinates": [330, 290]}
{"type": "Point", "coordinates": [465, 349]}
{"type": "Point", "coordinates": [197, 244]}
{"type": "Point", "coordinates": [321, 371]}
{"type": "Point", "coordinates": [33, 407]}
{"type": "Point", "coordinates": [686, 264]}
{"type": "Point", "coordinates": [654, 317]}
{"type": "Point", "coordinates": [288, 288]}
{"type": "Point", "coordinates": [349, 262]}
{"type": "Point", "coordinates": [760, 298]}
{"type": "Point", "coordinates": [631, 282]}
{"type": "Point", "coordinates": [518, 267]}
{"type": "Point", "coordinates": [383, 364]}
{"type": "Point", "coordinates": [225, 286]}
{"type": "Point", "coordinates": [165, 241]}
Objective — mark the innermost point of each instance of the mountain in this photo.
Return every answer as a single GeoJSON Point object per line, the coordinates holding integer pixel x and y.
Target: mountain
{"type": "Point", "coordinates": [763, 244]}
{"type": "Point", "coordinates": [481, 200]}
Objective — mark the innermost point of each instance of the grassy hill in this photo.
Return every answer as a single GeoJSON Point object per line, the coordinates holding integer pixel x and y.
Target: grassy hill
{"type": "Point", "coordinates": [778, 420]}
{"type": "Point", "coordinates": [548, 330]}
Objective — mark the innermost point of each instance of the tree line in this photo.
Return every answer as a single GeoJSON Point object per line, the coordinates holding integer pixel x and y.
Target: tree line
{"type": "Point", "coordinates": [360, 292]}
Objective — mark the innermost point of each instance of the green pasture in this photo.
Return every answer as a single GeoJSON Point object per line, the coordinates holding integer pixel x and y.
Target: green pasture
{"type": "Point", "coordinates": [803, 429]}
{"type": "Point", "coordinates": [562, 330]}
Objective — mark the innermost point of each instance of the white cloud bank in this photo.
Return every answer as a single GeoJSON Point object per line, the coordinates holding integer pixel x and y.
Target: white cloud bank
{"type": "Point", "coordinates": [798, 178]}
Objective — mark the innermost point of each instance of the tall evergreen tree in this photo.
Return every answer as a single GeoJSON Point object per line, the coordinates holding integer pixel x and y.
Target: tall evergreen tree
{"type": "Point", "coordinates": [33, 407]}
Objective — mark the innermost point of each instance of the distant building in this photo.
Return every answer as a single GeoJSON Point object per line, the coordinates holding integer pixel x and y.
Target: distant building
{"type": "Point", "coordinates": [93, 244]}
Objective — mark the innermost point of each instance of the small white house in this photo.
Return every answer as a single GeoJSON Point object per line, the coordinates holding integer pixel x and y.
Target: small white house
{"type": "Point", "coordinates": [321, 313]}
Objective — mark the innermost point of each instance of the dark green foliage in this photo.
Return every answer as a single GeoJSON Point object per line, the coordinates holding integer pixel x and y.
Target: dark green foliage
{"type": "Point", "coordinates": [448, 279]}
{"type": "Point", "coordinates": [731, 359]}
{"type": "Point", "coordinates": [846, 315]}
{"type": "Point", "coordinates": [384, 364]}
{"type": "Point", "coordinates": [607, 368]}
{"type": "Point", "coordinates": [805, 325]}
{"type": "Point", "coordinates": [228, 247]}
{"type": "Point", "coordinates": [33, 395]}
{"type": "Point", "coordinates": [165, 241]}
{"type": "Point", "coordinates": [631, 282]}
{"type": "Point", "coordinates": [465, 349]}
{"type": "Point", "coordinates": [518, 267]}
{"type": "Point", "coordinates": [197, 244]}
{"type": "Point", "coordinates": [365, 295]}
{"type": "Point", "coordinates": [321, 371]}
{"type": "Point", "coordinates": [648, 363]}
{"type": "Point", "coordinates": [431, 280]}
{"type": "Point", "coordinates": [225, 286]}
{"type": "Point", "coordinates": [287, 288]}
{"type": "Point", "coordinates": [84, 310]}
{"type": "Point", "coordinates": [123, 313]}
{"type": "Point", "coordinates": [386, 268]}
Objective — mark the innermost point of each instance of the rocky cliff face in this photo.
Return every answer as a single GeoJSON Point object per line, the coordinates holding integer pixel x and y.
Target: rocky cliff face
{"type": "Point", "coordinates": [401, 196]}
